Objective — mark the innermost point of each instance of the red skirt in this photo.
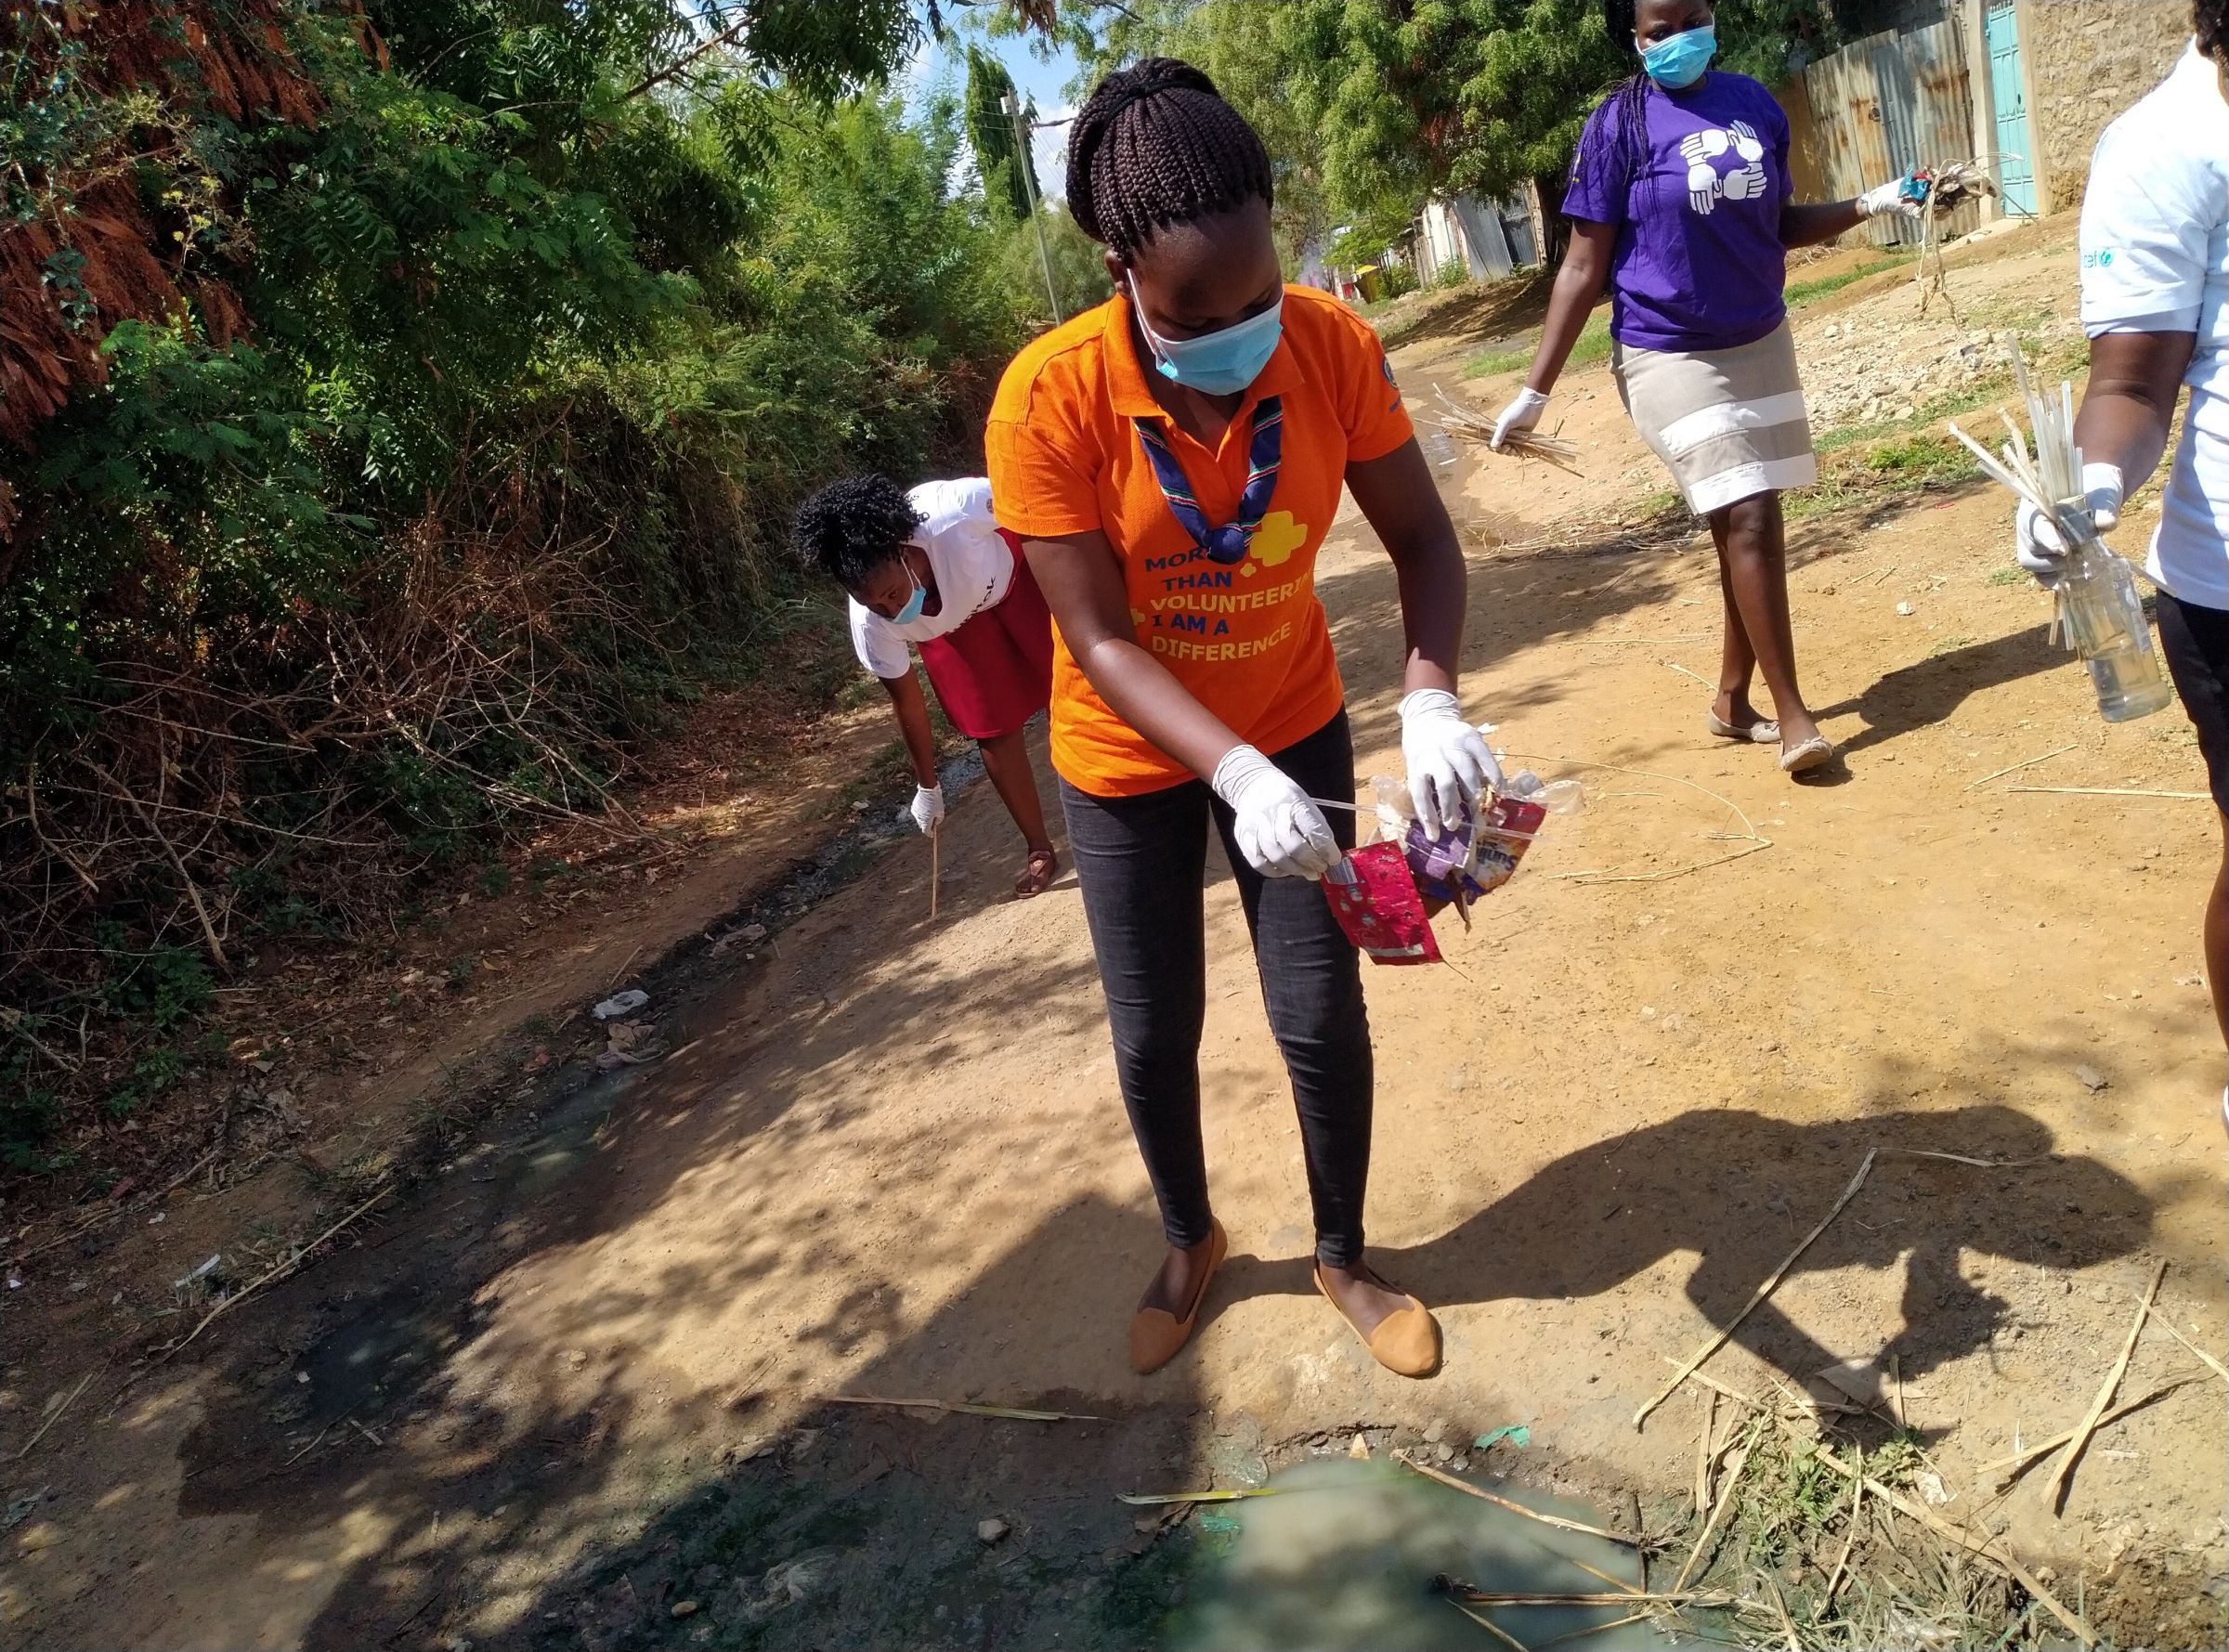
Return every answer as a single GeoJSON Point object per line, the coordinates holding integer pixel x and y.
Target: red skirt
{"type": "Point", "coordinates": [994, 672]}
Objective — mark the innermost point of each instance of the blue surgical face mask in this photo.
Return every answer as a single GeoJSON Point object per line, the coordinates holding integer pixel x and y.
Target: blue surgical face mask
{"type": "Point", "coordinates": [1677, 62]}
{"type": "Point", "coordinates": [914, 604]}
{"type": "Point", "coordinates": [1216, 363]}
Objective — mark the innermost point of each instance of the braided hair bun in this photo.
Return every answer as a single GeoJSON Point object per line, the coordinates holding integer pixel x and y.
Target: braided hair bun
{"type": "Point", "coordinates": [1155, 145]}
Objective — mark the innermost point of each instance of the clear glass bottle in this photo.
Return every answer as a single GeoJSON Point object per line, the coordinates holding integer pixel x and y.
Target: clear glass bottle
{"type": "Point", "coordinates": [2104, 621]}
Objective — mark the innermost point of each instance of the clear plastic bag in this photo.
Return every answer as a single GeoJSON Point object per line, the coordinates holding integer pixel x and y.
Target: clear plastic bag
{"type": "Point", "coordinates": [1479, 856]}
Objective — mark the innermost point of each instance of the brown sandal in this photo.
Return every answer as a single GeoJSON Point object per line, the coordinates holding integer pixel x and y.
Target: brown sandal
{"type": "Point", "coordinates": [1043, 864]}
{"type": "Point", "coordinates": [1155, 1333]}
{"type": "Point", "coordinates": [1406, 1341]}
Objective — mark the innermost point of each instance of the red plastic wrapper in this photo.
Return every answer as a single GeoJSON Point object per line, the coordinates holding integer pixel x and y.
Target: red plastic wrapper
{"type": "Point", "coordinates": [1373, 895]}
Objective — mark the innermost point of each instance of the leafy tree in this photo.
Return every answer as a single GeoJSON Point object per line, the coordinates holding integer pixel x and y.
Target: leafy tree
{"type": "Point", "coordinates": [1001, 147]}
{"type": "Point", "coordinates": [1373, 104]}
{"type": "Point", "coordinates": [400, 401]}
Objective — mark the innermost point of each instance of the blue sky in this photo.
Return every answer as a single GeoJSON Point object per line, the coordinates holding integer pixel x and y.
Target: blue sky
{"type": "Point", "coordinates": [1044, 82]}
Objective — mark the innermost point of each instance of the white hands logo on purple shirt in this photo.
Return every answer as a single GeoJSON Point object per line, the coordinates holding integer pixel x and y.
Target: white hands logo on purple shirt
{"type": "Point", "coordinates": [1703, 150]}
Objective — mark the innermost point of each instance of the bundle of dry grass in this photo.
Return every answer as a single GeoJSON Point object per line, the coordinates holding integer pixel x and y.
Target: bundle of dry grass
{"type": "Point", "coordinates": [1950, 186]}
{"type": "Point", "coordinates": [1460, 420]}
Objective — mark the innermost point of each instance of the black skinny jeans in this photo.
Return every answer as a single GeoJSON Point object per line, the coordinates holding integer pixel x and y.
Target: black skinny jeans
{"type": "Point", "coordinates": [1142, 862]}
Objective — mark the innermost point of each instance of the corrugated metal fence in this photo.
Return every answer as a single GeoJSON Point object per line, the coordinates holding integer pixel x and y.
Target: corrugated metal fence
{"type": "Point", "coordinates": [1884, 104]}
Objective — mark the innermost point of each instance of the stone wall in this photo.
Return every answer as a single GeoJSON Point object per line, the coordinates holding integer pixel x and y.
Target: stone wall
{"type": "Point", "coordinates": [2087, 61]}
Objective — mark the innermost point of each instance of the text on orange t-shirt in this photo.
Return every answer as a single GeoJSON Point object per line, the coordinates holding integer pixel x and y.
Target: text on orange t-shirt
{"type": "Point", "coordinates": [1248, 640]}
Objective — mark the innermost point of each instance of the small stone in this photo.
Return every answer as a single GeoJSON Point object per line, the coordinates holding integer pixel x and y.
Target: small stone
{"type": "Point", "coordinates": [1435, 1431]}
{"type": "Point", "coordinates": [684, 1608]}
{"type": "Point", "coordinates": [992, 1531]}
{"type": "Point", "coordinates": [1444, 1453]}
{"type": "Point", "coordinates": [1904, 610]}
{"type": "Point", "coordinates": [2091, 1079]}
{"type": "Point", "coordinates": [574, 1358]}
{"type": "Point", "coordinates": [1359, 1448]}
{"type": "Point", "coordinates": [1460, 1464]}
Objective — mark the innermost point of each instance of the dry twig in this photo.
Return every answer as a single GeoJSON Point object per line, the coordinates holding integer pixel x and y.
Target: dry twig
{"type": "Point", "coordinates": [1762, 1292]}
{"type": "Point", "coordinates": [2027, 763]}
{"type": "Point", "coordinates": [967, 1408]}
{"type": "Point", "coordinates": [2088, 1425]}
{"type": "Point", "coordinates": [278, 1272]}
{"type": "Point", "coordinates": [2013, 1465]}
{"type": "Point", "coordinates": [1429, 1473]}
{"type": "Point", "coordinates": [53, 1417]}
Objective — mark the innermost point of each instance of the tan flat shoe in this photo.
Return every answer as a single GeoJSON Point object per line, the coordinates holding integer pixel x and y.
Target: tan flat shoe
{"type": "Point", "coordinates": [1809, 755]}
{"type": "Point", "coordinates": [1406, 1341]}
{"type": "Point", "coordinates": [1157, 1335]}
{"type": "Point", "coordinates": [1764, 732]}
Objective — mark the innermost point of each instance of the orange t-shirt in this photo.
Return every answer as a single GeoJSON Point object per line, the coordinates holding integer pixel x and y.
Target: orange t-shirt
{"type": "Point", "coordinates": [1248, 640]}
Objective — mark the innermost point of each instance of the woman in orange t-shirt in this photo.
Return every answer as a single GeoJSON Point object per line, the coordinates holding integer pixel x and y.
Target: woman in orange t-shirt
{"type": "Point", "coordinates": [1171, 462]}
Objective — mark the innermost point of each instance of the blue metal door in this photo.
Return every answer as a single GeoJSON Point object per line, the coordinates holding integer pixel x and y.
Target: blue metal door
{"type": "Point", "coordinates": [2015, 171]}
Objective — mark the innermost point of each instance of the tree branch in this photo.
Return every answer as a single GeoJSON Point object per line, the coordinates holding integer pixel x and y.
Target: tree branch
{"type": "Point", "coordinates": [726, 36]}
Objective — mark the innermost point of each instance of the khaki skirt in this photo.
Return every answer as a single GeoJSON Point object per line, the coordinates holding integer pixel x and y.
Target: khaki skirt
{"type": "Point", "coordinates": [1729, 424]}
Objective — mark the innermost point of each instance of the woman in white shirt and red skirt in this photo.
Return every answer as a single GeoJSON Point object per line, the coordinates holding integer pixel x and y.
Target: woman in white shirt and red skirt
{"type": "Point", "coordinates": [929, 567]}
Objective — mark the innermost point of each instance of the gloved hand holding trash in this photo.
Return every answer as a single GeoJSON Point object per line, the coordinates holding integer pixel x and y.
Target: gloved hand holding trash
{"type": "Point", "coordinates": [2038, 543]}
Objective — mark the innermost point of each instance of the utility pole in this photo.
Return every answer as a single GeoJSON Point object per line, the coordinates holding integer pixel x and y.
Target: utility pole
{"type": "Point", "coordinates": [1029, 193]}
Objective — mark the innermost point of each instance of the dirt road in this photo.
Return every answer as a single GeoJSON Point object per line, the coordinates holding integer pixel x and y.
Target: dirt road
{"type": "Point", "coordinates": [559, 1392]}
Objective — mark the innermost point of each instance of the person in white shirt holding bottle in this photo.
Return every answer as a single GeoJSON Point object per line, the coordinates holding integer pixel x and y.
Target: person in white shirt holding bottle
{"type": "Point", "coordinates": [2155, 273]}
{"type": "Point", "coordinates": [929, 567]}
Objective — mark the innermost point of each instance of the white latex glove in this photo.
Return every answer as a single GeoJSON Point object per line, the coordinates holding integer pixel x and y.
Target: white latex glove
{"type": "Point", "coordinates": [2037, 542]}
{"type": "Point", "coordinates": [1521, 414]}
{"type": "Point", "coordinates": [928, 809]}
{"type": "Point", "coordinates": [1279, 831]}
{"type": "Point", "coordinates": [1451, 767]}
{"type": "Point", "coordinates": [1884, 199]}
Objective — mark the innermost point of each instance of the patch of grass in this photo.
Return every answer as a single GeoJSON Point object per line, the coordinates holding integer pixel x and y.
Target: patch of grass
{"type": "Point", "coordinates": [1802, 293]}
{"type": "Point", "coordinates": [1593, 346]}
{"type": "Point", "coordinates": [1925, 456]}
{"type": "Point", "coordinates": [1487, 362]}
{"type": "Point", "coordinates": [1908, 462]}
{"type": "Point", "coordinates": [1952, 646]}
{"type": "Point", "coordinates": [2012, 576]}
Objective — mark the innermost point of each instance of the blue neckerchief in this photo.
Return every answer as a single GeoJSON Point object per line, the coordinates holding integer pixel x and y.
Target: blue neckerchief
{"type": "Point", "coordinates": [1266, 451]}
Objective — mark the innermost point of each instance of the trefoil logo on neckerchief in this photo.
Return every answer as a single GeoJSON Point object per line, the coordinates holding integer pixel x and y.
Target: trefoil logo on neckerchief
{"type": "Point", "coordinates": [1230, 542]}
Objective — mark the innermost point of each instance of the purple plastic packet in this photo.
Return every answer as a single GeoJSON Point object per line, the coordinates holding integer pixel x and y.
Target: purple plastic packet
{"type": "Point", "coordinates": [1474, 857]}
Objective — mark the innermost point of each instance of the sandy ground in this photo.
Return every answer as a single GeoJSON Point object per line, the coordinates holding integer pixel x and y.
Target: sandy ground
{"type": "Point", "coordinates": [887, 1156]}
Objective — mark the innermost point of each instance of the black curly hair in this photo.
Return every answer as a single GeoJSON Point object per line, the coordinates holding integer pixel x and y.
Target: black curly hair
{"type": "Point", "coordinates": [851, 527]}
{"type": "Point", "coordinates": [2210, 22]}
{"type": "Point", "coordinates": [1155, 145]}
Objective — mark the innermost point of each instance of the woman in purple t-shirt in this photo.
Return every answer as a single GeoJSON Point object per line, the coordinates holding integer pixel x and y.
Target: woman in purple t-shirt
{"type": "Point", "coordinates": [1679, 200]}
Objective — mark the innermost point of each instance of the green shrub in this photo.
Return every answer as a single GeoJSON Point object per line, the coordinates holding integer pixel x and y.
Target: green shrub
{"type": "Point", "coordinates": [458, 449]}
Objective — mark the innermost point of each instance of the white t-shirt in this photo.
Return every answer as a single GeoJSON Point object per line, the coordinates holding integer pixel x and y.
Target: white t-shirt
{"type": "Point", "coordinates": [972, 564]}
{"type": "Point", "coordinates": [2156, 259]}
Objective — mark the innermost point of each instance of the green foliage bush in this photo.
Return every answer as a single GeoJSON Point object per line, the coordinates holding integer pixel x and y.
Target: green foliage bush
{"type": "Point", "coordinates": [505, 337]}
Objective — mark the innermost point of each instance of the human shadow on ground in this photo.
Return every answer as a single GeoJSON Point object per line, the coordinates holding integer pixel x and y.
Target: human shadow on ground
{"type": "Point", "coordinates": [1929, 691]}
{"type": "Point", "coordinates": [1738, 1189]}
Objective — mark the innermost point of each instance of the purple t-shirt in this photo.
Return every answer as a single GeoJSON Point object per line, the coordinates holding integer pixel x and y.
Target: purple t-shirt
{"type": "Point", "coordinates": [1698, 264]}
